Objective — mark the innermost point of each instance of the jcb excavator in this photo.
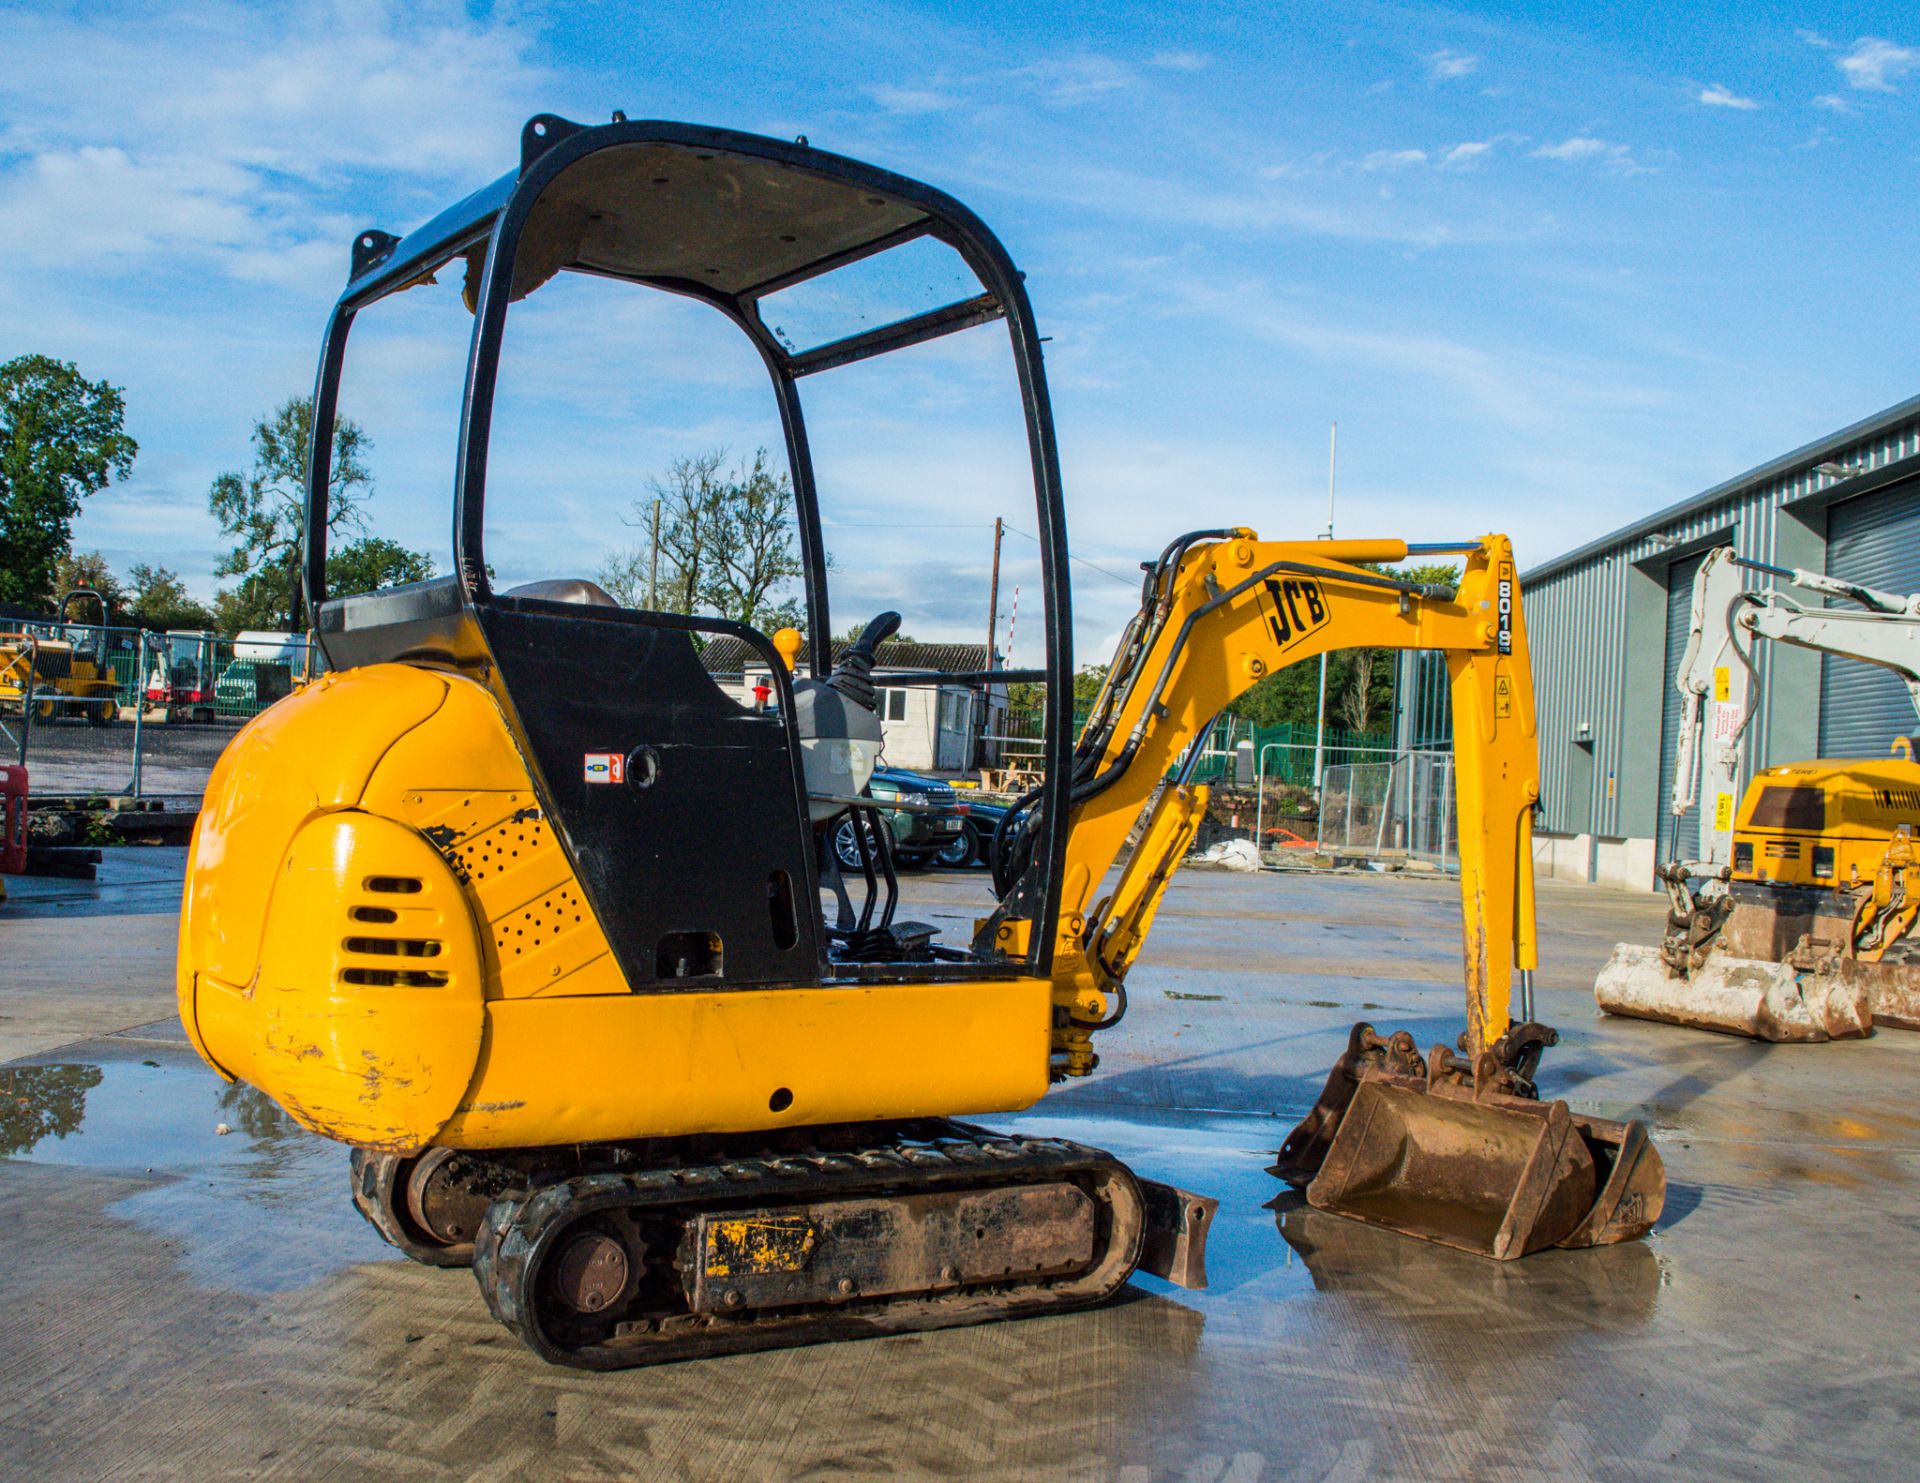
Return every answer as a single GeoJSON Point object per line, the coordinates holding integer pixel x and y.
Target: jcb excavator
{"type": "Point", "coordinates": [442, 905]}
{"type": "Point", "coordinates": [1796, 924]}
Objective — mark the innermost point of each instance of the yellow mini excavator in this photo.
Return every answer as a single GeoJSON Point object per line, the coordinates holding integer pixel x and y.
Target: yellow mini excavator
{"type": "Point", "coordinates": [440, 907]}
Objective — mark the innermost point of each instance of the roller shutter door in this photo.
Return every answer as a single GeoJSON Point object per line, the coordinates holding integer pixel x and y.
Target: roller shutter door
{"type": "Point", "coordinates": [1680, 577]}
{"type": "Point", "coordinates": [1873, 540]}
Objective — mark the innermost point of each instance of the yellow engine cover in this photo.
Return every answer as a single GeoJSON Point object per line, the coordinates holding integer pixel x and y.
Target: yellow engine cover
{"type": "Point", "coordinates": [1823, 823]}
{"type": "Point", "coordinates": [383, 932]}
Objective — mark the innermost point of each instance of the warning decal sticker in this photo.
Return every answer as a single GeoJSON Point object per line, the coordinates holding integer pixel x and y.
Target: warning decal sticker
{"type": "Point", "coordinates": [606, 767]}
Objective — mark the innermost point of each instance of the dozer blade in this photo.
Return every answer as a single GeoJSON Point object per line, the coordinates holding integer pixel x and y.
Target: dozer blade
{"type": "Point", "coordinates": [1735, 996]}
{"type": "Point", "coordinates": [1460, 1159]}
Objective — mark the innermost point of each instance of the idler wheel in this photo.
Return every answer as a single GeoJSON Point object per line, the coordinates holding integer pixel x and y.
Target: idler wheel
{"type": "Point", "coordinates": [592, 1272]}
{"type": "Point", "coordinates": [446, 1198]}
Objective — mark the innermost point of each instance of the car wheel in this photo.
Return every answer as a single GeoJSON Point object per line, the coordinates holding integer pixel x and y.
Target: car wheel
{"type": "Point", "coordinates": [961, 851]}
{"type": "Point", "coordinates": [846, 847]}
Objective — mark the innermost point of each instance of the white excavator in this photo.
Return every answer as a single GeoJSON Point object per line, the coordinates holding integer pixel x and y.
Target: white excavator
{"type": "Point", "coordinates": [1797, 922]}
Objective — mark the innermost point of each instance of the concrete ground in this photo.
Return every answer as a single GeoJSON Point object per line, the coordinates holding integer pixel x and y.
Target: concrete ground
{"type": "Point", "coordinates": [178, 1302]}
{"type": "Point", "coordinates": [70, 758]}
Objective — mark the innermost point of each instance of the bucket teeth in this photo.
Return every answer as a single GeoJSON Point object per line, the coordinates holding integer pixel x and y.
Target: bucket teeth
{"type": "Point", "coordinates": [1465, 1156]}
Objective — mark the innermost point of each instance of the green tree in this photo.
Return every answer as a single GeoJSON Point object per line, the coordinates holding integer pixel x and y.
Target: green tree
{"type": "Point", "coordinates": [727, 543]}
{"type": "Point", "coordinates": [374, 562]}
{"type": "Point", "coordinates": [62, 438]}
{"type": "Point", "coordinates": [87, 569]}
{"type": "Point", "coordinates": [158, 599]}
{"type": "Point", "coordinates": [262, 510]}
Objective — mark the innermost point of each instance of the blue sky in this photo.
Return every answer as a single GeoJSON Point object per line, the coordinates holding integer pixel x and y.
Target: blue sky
{"type": "Point", "coordinates": [1548, 269]}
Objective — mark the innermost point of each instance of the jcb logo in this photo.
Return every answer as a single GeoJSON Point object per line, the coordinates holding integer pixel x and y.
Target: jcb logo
{"type": "Point", "coordinates": [1296, 607]}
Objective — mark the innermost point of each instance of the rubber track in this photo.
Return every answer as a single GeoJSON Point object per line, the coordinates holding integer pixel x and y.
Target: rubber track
{"type": "Point", "coordinates": [521, 1229]}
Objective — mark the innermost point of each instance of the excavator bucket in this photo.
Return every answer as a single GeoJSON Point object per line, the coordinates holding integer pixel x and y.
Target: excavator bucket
{"type": "Point", "coordinates": [1464, 1159]}
{"type": "Point", "coordinates": [1753, 997]}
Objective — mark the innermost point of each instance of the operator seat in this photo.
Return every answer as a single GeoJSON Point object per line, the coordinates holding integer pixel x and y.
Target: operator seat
{"type": "Point", "coordinates": [565, 589]}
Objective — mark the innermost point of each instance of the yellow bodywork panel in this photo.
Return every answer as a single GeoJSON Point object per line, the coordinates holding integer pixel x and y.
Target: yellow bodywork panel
{"type": "Point", "coordinates": [364, 1016]}
{"type": "Point", "coordinates": [1849, 809]}
{"type": "Point", "coordinates": [468, 997]}
{"type": "Point", "coordinates": [312, 752]}
{"type": "Point", "coordinates": [618, 1066]}
{"type": "Point", "coordinates": [459, 780]}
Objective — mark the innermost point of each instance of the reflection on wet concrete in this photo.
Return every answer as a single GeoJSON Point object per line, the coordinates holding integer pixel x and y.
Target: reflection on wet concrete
{"type": "Point", "coordinates": [1346, 1256]}
{"type": "Point", "coordinates": [260, 1208]}
{"type": "Point", "coordinates": [40, 1102]}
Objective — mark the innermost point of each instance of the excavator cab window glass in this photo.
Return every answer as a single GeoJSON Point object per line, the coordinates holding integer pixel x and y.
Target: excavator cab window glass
{"type": "Point", "coordinates": [610, 397]}
{"type": "Point", "coordinates": [596, 277]}
{"type": "Point", "coordinates": [399, 388]}
{"type": "Point", "coordinates": [914, 278]}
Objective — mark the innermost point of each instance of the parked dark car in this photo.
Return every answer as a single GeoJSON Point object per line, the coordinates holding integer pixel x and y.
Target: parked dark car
{"type": "Point", "coordinates": [921, 833]}
{"type": "Point", "coordinates": [974, 845]}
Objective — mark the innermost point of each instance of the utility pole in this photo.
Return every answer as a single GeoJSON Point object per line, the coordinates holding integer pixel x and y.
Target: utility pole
{"type": "Point", "coordinates": [983, 697]}
{"type": "Point", "coordinates": [1320, 712]}
{"type": "Point", "coordinates": [653, 564]}
{"type": "Point", "coordinates": [993, 590]}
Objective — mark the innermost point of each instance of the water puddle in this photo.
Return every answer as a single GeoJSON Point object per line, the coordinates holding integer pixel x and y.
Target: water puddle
{"type": "Point", "coordinates": [261, 1208]}
{"type": "Point", "coordinates": [1268, 1246]}
{"type": "Point", "coordinates": [264, 1208]}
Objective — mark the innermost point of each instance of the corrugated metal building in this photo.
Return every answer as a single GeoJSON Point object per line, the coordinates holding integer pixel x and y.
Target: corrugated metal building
{"type": "Point", "coordinates": [1607, 624]}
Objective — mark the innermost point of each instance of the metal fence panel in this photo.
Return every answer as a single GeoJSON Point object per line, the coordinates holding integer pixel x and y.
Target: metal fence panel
{"type": "Point", "coordinates": [1400, 807]}
{"type": "Point", "coordinates": [157, 711]}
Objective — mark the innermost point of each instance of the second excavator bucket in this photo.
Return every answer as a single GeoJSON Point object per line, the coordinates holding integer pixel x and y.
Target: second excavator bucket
{"type": "Point", "coordinates": [1466, 1159]}
{"type": "Point", "coordinates": [1735, 996]}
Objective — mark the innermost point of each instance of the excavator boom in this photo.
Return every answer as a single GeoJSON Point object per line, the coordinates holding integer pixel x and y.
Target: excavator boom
{"type": "Point", "coordinates": [1454, 1150]}
{"type": "Point", "coordinates": [1222, 613]}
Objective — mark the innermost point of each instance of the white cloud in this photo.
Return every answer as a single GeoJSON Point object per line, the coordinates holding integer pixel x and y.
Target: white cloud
{"type": "Point", "coordinates": [230, 131]}
{"type": "Point", "coordinates": [1813, 38]}
{"type": "Point", "coordinates": [1444, 65]}
{"type": "Point", "coordinates": [1835, 103]}
{"type": "Point", "coordinates": [1466, 155]}
{"type": "Point", "coordinates": [1874, 65]}
{"type": "Point", "coordinates": [1618, 157]}
{"type": "Point", "coordinates": [1573, 149]}
{"type": "Point", "coordinates": [1720, 96]}
{"type": "Point", "coordinates": [1393, 159]}
{"type": "Point", "coordinates": [1514, 385]}
{"type": "Point", "coordinates": [1181, 61]}
{"type": "Point", "coordinates": [910, 100]}
{"type": "Point", "coordinates": [1072, 80]}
